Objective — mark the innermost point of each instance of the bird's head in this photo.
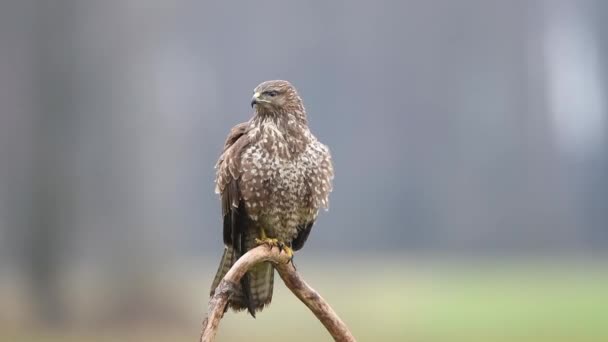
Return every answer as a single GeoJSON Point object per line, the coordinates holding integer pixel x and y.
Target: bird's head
{"type": "Point", "coordinates": [276, 97]}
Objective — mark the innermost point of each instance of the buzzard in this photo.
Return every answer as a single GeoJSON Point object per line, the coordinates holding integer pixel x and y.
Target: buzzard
{"type": "Point", "coordinates": [273, 176]}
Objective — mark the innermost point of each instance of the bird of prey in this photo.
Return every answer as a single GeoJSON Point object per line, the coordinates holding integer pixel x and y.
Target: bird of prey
{"type": "Point", "coordinates": [273, 176]}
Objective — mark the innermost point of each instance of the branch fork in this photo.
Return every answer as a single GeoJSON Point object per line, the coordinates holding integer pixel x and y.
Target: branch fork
{"type": "Point", "coordinates": [282, 263]}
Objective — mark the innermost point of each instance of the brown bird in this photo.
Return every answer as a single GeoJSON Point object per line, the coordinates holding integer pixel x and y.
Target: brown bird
{"type": "Point", "coordinates": [273, 177]}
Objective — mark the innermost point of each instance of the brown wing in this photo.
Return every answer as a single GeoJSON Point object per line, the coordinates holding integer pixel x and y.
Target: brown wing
{"type": "Point", "coordinates": [236, 220]}
{"type": "Point", "coordinates": [228, 173]}
{"type": "Point", "coordinates": [300, 239]}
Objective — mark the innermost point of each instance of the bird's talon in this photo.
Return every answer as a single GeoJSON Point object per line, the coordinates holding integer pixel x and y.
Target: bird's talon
{"type": "Point", "coordinates": [289, 252]}
{"type": "Point", "coordinates": [268, 242]}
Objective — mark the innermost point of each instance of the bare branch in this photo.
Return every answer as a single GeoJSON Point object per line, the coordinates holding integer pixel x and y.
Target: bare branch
{"type": "Point", "coordinates": [281, 261]}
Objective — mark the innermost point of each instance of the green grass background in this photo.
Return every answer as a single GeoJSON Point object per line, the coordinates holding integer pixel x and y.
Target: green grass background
{"type": "Point", "coordinates": [385, 300]}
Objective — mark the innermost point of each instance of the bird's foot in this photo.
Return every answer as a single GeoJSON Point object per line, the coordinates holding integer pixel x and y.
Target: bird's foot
{"type": "Point", "coordinates": [284, 248]}
{"type": "Point", "coordinates": [270, 242]}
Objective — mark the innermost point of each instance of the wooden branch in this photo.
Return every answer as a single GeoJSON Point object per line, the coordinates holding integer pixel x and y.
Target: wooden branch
{"type": "Point", "coordinates": [282, 263]}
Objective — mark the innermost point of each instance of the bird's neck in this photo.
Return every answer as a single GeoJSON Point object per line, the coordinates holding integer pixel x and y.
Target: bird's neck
{"type": "Point", "coordinates": [287, 128]}
{"type": "Point", "coordinates": [283, 115]}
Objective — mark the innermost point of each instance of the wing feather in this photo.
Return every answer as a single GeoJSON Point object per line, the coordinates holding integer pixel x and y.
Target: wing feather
{"type": "Point", "coordinates": [300, 239]}
{"type": "Point", "coordinates": [236, 221]}
{"type": "Point", "coordinates": [228, 174]}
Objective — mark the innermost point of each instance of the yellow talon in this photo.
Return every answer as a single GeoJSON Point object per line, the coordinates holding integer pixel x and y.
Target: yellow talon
{"type": "Point", "coordinates": [267, 241]}
{"type": "Point", "coordinates": [271, 242]}
{"type": "Point", "coordinates": [289, 251]}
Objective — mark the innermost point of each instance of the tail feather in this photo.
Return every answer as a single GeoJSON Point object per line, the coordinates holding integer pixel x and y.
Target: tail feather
{"type": "Point", "coordinates": [255, 290]}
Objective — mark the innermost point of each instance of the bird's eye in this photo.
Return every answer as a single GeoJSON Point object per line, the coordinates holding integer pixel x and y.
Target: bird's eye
{"type": "Point", "coordinates": [271, 93]}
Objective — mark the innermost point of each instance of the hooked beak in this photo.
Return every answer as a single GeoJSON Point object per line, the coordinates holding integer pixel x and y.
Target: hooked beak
{"type": "Point", "coordinates": [255, 99]}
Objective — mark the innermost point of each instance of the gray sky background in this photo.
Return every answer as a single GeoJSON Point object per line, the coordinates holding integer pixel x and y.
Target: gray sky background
{"type": "Point", "coordinates": [468, 126]}
{"type": "Point", "coordinates": [454, 125]}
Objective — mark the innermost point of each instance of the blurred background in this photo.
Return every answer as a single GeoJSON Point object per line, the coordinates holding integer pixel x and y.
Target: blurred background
{"type": "Point", "coordinates": [470, 142]}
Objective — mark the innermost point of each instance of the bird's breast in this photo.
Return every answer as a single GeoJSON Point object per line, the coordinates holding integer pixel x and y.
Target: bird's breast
{"type": "Point", "coordinates": [276, 184]}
